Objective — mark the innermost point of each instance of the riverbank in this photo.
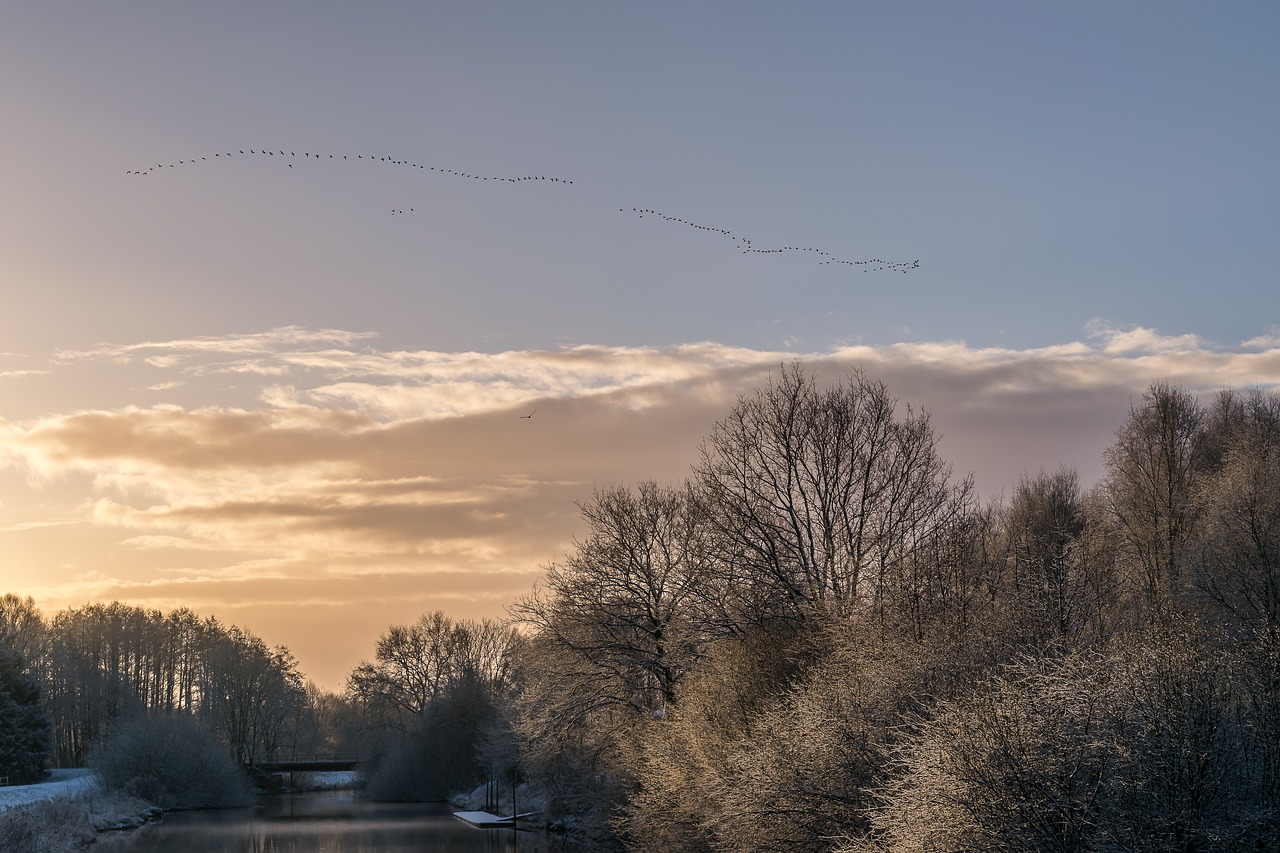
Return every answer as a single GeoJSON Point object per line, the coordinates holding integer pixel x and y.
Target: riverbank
{"type": "Point", "coordinates": [60, 783]}
{"type": "Point", "coordinates": [66, 813]}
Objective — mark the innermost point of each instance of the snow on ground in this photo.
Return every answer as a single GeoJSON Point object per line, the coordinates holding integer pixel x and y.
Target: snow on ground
{"type": "Point", "coordinates": [60, 783]}
{"type": "Point", "coordinates": [79, 780]}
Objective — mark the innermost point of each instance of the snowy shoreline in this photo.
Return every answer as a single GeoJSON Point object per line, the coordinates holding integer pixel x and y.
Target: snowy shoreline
{"type": "Point", "coordinates": [75, 781]}
{"type": "Point", "coordinates": [65, 813]}
{"type": "Point", "coordinates": [61, 783]}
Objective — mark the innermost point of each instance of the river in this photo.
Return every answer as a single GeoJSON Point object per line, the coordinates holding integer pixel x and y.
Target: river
{"type": "Point", "coordinates": [330, 821]}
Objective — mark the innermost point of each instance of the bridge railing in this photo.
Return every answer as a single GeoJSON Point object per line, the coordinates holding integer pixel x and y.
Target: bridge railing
{"type": "Point", "coordinates": [280, 756]}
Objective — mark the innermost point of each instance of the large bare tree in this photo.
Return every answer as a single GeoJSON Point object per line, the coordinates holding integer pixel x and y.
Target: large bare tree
{"type": "Point", "coordinates": [818, 494]}
{"type": "Point", "coordinates": [619, 607]}
{"type": "Point", "coordinates": [1154, 468]}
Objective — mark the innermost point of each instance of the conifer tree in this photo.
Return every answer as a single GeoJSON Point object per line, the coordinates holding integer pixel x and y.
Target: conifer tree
{"type": "Point", "coordinates": [24, 725]}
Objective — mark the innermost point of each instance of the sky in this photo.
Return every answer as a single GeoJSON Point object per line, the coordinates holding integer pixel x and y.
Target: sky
{"type": "Point", "coordinates": [286, 388]}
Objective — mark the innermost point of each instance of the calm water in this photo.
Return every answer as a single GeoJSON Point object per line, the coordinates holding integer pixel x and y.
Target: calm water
{"type": "Point", "coordinates": [331, 821]}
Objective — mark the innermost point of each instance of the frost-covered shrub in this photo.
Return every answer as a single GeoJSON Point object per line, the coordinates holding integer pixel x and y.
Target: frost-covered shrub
{"type": "Point", "coordinates": [170, 761]}
{"type": "Point", "coordinates": [48, 826]}
{"type": "Point", "coordinates": [68, 823]}
{"type": "Point", "coordinates": [1164, 743]}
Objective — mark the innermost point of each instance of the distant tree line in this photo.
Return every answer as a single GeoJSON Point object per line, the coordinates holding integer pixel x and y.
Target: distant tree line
{"type": "Point", "coordinates": [87, 670]}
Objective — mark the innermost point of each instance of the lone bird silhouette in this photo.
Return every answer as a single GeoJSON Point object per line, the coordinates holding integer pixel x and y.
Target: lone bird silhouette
{"type": "Point", "coordinates": [531, 414]}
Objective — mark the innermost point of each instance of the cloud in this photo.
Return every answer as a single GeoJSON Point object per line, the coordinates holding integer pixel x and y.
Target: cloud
{"type": "Point", "coordinates": [351, 476]}
{"type": "Point", "coordinates": [1127, 339]}
{"type": "Point", "coordinates": [172, 352]}
{"type": "Point", "coordinates": [19, 526]}
{"type": "Point", "coordinates": [317, 447]}
{"type": "Point", "coordinates": [155, 542]}
{"type": "Point", "coordinates": [1269, 340]}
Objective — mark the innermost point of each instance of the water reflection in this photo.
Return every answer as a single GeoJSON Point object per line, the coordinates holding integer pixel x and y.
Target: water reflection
{"type": "Point", "coordinates": [331, 821]}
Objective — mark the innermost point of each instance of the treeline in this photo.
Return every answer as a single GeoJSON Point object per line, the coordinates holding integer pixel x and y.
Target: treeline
{"type": "Point", "coordinates": [822, 640]}
{"type": "Point", "coordinates": [106, 684]}
{"type": "Point", "coordinates": [87, 670]}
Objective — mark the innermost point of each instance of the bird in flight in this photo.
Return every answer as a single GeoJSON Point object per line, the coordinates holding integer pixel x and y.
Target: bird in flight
{"type": "Point", "coordinates": [531, 414]}
{"type": "Point", "coordinates": [743, 244]}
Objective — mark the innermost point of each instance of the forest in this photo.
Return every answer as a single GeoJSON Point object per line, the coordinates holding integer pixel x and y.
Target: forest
{"type": "Point", "coordinates": [821, 640]}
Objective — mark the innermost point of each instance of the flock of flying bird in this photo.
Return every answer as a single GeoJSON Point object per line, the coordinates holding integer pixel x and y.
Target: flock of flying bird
{"type": "Point", "coordinates": [744, 244]}
{"type": "Point", "coordinates": [873, 265]}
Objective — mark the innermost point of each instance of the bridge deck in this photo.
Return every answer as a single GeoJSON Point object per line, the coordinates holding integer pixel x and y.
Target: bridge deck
{"type": "Point", "coordinates": [313, 763]}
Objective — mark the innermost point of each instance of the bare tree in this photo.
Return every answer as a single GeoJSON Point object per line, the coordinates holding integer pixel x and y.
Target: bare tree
{"type": "Point", "coordinates": [1153, 470]}
{"type": "Point", "coordinates": [942, 587]}
{"type": "Point", "coordinates": [483, 654]}
{"type": "Point", "coordinates": [1238, 561]}
{"type": "Point", "coordinates": [22, 627]}
{"type": "Point", "coordinates": [250, 692]}
{"type": "Point", "coordinates": [410, 668]}
{"type": "Point", "coordinates": [414, 665]}
{"type": "Point", "coordinates": [1058, 581]}
{"type": "Point", "coordinates": [818, 494]}
{"type": "Point", "coordinates": [88, 683]}
{"type": "Point", "coordinates": [1235, 416]}
{"type": "Point", "coordinates": [431, 694]}
{"type": "Point", "coordinates": [620, 604]}
{"type": "Point", "coordinates": [105, 662]}
{"type": "Point", "coordinates": [330, 722]}
{"type": "Point", "coordinates": [613, 635]}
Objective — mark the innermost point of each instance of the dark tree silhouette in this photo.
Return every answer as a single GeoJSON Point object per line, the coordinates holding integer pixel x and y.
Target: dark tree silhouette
{"type": "Point", "coordinates": [24, 724]}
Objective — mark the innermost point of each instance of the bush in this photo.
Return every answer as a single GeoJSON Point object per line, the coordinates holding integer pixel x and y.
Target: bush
{"type": "Point", "coordinates": [1157, 744]}
{"type": "Point", "coordinates": [51, 826]}
{"type": "Point", "coordinates": [169, 761]}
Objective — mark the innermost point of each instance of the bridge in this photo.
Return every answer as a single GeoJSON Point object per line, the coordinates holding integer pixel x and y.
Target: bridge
{"type": "Point", "coordinates": [306, 762]}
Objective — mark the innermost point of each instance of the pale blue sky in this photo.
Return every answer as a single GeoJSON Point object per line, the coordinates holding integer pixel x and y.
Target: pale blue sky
{"type": "Point", "coordinates": [1047, 164]}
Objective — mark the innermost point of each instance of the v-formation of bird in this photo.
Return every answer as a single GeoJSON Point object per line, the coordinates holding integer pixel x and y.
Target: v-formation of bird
{"type": "Point", "coordinates": [744, 244]}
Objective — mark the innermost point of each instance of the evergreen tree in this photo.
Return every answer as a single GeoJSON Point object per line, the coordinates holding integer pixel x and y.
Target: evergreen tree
{"type": "Point", "coordinates": [24, 725]}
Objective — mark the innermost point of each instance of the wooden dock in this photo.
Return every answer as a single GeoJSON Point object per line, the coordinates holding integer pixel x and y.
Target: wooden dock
{"type": "Point", "coordinates": [487, 820]}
